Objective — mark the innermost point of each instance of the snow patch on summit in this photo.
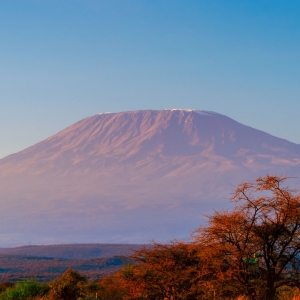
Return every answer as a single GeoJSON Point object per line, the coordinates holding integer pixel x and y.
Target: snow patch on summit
{"type": "Point", "coordinates": [183, 109]}
{"type": "Point", "coordinates": [203, 113]}
{"type": "Point", "coordinates": [200, 112]}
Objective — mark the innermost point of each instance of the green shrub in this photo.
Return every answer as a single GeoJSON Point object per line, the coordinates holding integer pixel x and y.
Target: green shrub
{"type": "Point", "coordinates": [5, 285]}
{"type": "Point", "coordinates": [24, 290]}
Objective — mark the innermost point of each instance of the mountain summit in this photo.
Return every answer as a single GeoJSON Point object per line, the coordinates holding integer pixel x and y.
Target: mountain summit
{"type": "Point", "coordinates": [133, 176]}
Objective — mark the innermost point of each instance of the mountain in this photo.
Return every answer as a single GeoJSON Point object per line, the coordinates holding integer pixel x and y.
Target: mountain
{"type": "Point", "coordinates": [133, 176]}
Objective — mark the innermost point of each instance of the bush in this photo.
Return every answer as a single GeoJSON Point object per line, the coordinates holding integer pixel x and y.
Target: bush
{"type": "Point", "coordinates": [111, 288]}
{"type": "Point", "coordinates": [68, 287]}
{"type": "Point", "coordinates": [5, 285]}
{"type": "Point", "coordinates": [27, 289]}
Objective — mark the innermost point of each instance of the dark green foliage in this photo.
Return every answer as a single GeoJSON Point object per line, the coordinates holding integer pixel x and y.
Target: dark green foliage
{"type": "Point", "coordinates": [90, 290]}
{"type": "Point", "coordinates": [27, 289]}
{"type": "Point", "coordinates": [5, 285]}
{"type": "Point", "coordinates": [68, 287]}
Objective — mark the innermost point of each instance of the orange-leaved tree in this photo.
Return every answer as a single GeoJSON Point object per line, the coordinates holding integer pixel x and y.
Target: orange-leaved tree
{"type": "Point", "coordinates": [254, 249]}
{"type": "Point", "coordinates": [164, 271]}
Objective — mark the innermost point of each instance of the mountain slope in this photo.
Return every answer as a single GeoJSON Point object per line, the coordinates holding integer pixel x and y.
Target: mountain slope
{"type": "Point", "coordinates": [133, 176]}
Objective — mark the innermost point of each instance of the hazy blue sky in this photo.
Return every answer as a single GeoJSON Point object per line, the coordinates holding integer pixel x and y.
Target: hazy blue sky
{"type": "Point", "coordinates": [64, 60]}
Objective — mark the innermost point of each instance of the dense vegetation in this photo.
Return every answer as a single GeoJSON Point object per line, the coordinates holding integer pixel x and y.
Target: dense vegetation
{"type": "Point", "coordinates": [251, 252]}
{"type": "Point", "coordinates": [44, 269]}
{"type": "Point", "coordinates": [47, 262]}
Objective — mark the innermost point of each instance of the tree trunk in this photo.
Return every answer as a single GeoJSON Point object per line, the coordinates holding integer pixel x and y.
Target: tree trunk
{"type": "Point", "coordinates": [252, 294]}
{"type": "Point", "coordinates": [270, 292]}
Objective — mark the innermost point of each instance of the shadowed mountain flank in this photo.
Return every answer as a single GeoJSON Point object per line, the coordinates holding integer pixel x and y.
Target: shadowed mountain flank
{"type": "Point", "coordinates": [133, 176]}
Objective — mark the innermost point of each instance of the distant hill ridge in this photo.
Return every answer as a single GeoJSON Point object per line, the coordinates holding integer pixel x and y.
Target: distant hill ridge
{"type": "Point", "coordinates": [73, 251]}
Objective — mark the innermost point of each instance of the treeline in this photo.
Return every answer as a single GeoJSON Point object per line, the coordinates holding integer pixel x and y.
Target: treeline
{"type": "Point", "coordinates": [251, 252]}
{"type": "Point", "coordinates": [45, 269]}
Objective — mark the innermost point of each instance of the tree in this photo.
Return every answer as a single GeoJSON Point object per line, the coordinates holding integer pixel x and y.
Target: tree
{"type": "Point", "coordinates": [111, 288]}
{"type": "Point", "coordinates": [163, 271]}
{"type": "Point", "coordinates": [255, 248]}
{"type": "Point", "coordinates": [68, 287]}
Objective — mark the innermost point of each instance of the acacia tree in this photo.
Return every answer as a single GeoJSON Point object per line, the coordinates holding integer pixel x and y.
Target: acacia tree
{"type": "Point", "coordinates": [255, 248]}
{"type": "Point", "coordinates": [163, 271]}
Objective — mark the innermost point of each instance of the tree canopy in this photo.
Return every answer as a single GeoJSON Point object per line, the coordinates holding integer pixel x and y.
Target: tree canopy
{"type": "Point", "coordinates": [252, 250]}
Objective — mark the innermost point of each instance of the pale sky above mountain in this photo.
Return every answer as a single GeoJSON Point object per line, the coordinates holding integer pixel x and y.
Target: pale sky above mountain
{"type": "Point", "coordinates": [62, 61]}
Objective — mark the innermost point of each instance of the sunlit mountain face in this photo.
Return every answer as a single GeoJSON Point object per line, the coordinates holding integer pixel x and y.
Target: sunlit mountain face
{"type": "Point", "coordinates": [133, 176]}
